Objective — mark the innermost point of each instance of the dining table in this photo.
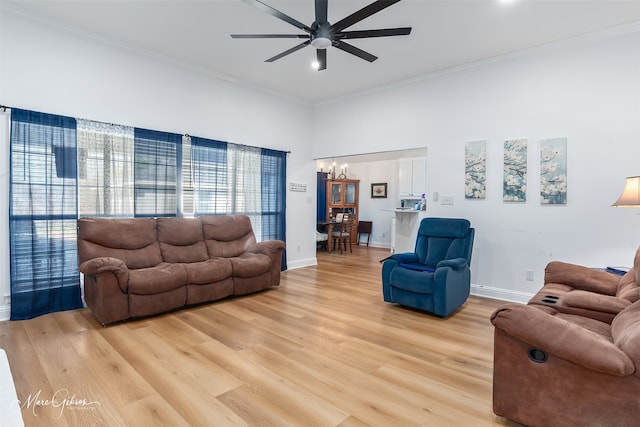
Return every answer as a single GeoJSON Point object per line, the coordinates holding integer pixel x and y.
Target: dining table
{"type": "Point", "coordinates": [329, 224]}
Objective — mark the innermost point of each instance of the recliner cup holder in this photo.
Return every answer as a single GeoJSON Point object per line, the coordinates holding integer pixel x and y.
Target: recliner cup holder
{"type": "Point", "coordinates": [537, 355]}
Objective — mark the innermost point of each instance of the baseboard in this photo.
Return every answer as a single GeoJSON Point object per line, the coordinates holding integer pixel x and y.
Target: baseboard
{"type": "Point", "coordinates": [373, 244]}
{"type": "Point", "coordinates": [5, 312]}
{"type": "Point", "coordinates": [307, 262]}
{"type": "Point", "coordinates": [500, 294]}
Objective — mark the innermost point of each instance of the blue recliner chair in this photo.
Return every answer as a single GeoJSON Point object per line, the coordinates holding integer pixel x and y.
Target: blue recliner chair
{"type": "Point", "coordinates": [436, 277]}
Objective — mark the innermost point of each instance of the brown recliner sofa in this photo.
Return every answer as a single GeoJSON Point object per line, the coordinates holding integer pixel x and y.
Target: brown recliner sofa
{"type": "Point", "coordinates": [573, 362]}
{"type": "Point", "coordinates": [584, 291]}
{"type": "Point", "coordinates": [557, 369]}
{"type": "Point", "coordinates": [136, 267]}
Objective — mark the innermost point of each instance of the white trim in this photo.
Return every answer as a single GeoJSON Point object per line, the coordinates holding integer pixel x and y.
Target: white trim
{"type": "Point", "coordinates": [500, 293]}
{"type": "Point", "coordinates": [300, 263]}
{"type": "Point", "coordinates": [5, 312]}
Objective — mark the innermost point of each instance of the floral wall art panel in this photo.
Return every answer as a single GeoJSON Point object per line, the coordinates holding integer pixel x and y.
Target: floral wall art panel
{"type": "Point", "coordinates": [475, 159]}
{"type": "Point", "coordinates": [515, 171]}
{"type": "Point", "coordinates": [553, 171]}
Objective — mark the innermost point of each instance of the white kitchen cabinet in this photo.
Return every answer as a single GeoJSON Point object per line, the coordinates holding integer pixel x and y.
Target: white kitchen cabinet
{"type": "Point", "coordinates": [412, 178]}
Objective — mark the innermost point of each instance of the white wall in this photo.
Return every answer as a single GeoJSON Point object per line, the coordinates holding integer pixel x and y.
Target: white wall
{"type": "Point", "coordinates": [44, 68]}
{"type": "Point", "coordinates": [585, 90]}
{"type": "Point", "coordinates": [376, 210]}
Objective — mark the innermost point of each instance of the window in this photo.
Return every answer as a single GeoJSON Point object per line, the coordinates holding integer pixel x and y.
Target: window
{"type": "Point", "coordinates": [210, 180]}
{"type": "Point", "coordinates": [105, 169]}
{"type": "Point", "coordinates": [42, 215]}
{"type": "Point", "coordinates": [157, 161]}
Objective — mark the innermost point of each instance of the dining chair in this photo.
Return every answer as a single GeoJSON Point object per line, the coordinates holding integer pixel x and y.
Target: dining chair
{"type": "Point", "coordinates": [343, 234]}
{"type": "Point", "coordinates": [364, 227]}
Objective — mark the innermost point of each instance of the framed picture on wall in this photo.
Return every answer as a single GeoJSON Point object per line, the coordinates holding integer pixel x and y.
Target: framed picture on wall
{"type": "Point", "coordinates": [379, 190]}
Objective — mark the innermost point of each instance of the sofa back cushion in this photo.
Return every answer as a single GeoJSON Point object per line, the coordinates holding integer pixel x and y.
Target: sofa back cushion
{"type": "Point", "coordinates": [227, 236]}
{"type": "Point", "coordinates": [629, 284]}
{"type": "Point", "coordinates": [133, 240]}
{"type": "Point", "coordinates": [181, 240]}
{"type": "Point", "coordinates": [625, 331]}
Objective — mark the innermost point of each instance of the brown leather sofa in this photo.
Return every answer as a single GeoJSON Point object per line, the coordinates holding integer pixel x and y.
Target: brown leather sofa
{"type": "Point", "coordinates": [584, 291]}
{"type": "Point", "coordinates": [575, 361]}
{"type": "Point", "coordinates": [143, 266]}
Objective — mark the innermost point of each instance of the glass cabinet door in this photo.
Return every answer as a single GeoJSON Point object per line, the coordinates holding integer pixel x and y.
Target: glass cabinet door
{"type": "Point", "coordinates": [336, 193]}
{"type": "Point", "coordinates": [350, 194]}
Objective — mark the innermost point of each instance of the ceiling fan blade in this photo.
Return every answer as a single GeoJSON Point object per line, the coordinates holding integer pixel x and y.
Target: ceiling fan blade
{"type": "Point", "coordinates": [274, 12]}
{"type": "Point", "coordinates": [322, 59]}
{"type": "Point", "coordinates": [270, 36]}
{"type": "Point", "coordinates": [386, 32]}
{"type": "Point", "coordinates": [355, 51]}
{"type": "Point", "coordinates": [287, 52]}
{"type": "Point", "coordinates": [321, 10]}
{"type": "Point", "coordinates": [361, 14]}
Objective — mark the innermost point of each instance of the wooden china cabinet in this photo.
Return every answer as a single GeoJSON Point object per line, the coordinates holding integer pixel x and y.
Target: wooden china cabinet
{"type": "Point", "coordinates": [342, 197]}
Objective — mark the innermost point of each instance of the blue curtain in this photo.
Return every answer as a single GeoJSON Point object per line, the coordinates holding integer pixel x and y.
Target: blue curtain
{"type": "Point", "coordinates": [42, 214]}
{"type": "Point", "coordinates": [274, 186]}
{"type": "Point", "coordinates": [209, 169]}
{"type": "Point", "coordinates": [157, 178]}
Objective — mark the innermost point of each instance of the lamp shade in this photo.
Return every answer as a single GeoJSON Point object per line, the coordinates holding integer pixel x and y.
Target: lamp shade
{"type": "Point", "coordinates": [630, 197]}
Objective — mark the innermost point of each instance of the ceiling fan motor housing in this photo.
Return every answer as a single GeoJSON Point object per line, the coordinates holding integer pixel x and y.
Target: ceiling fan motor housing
{"type": "Point", "coordinates": [321, 35]}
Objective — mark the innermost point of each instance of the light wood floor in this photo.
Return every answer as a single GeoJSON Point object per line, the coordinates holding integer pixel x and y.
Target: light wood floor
{"type": "Point", "coordinates": [322, 349]}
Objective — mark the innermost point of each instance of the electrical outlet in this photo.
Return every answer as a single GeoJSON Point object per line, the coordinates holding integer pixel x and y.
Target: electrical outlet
{"type": "Point", "coordinates": [528, 274]}
{"type": "Point", "coordinates": [446, 200]}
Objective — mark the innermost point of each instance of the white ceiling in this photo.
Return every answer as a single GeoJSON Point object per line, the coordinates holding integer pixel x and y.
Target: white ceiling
{"type": "Point", "coordinates": [446, 34]}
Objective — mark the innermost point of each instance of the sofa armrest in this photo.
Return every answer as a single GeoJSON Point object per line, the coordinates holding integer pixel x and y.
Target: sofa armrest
{"type": "Point", "coordinates": [267, 247]}
{"type": "Point", "coordinates": [594, 301]}
{"type": "Point", "coordinates": [581, 277]}
{"type": "Point", "coordinates": [96, 266]}
{"type": "Point", "coordinates": [454, 264]}
{"type": "Point", "coordinates": [563, 339]}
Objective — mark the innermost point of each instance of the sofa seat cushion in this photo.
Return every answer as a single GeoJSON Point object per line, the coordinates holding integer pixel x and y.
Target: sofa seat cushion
{"type": "Point", "coordinates": [250, 264]}
{"type": "Point", "coordinates": [163, 277]}
{"type": "Point", "coordinates": [420, 282]}
{"type": "Point", "coordinates": [210, 271]}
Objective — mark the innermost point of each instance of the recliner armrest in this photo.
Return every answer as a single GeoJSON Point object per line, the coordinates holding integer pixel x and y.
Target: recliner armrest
{"type": "Point", "coordinates": [455, 263]}
{"type": "Point", "coordinates": [96, 266]}
{"type": "Point", "coordinates": [594, 301]}
{"type": "Point", "coordinates": [405, 257]}
{"type": "Point", "coordinates": [562, 339]}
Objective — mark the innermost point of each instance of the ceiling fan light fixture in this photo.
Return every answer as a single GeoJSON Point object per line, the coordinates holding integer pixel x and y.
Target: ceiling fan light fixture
{"type": "Point", "coordinates": [321, 42]}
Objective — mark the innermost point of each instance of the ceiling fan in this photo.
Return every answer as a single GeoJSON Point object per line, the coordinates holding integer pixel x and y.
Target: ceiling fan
{"type": "Point", "coordinates": [321, 34]}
